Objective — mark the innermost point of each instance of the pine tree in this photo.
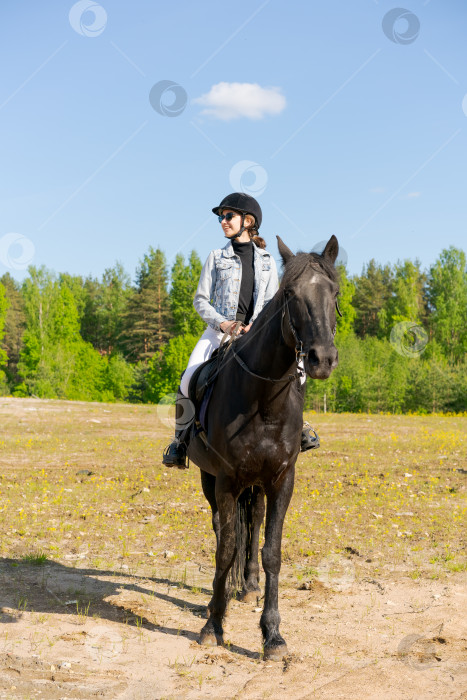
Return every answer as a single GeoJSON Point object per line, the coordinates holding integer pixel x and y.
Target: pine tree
{"type": "Point", "coordinates": [105, 306]}
{"type": "Point", "coordinates": [147, 319]}
{"type": "Point", "coordinates": [90, 323]}
{"type": "Point", "coordinates": [115, 290]}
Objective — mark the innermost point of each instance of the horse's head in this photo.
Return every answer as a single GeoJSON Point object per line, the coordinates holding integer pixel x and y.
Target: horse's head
{"type": "Point", "coordinates": [310, 288]}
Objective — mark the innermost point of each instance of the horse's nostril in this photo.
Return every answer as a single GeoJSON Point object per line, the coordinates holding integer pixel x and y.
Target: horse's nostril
{"type": "Point", "coordinates": [313, 358]}
{"type": "Point", "coordinates": [322, 356]}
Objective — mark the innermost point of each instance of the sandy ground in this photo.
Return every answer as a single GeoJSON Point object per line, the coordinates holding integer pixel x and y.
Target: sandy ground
{"type": "Point", "coordinates": [350, 635]}
{"type": "Point", "coordinates": [387, 638]}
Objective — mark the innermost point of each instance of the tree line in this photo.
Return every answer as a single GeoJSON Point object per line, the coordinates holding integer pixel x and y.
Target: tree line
{"type": "Point", "coordinates": [402, 337]}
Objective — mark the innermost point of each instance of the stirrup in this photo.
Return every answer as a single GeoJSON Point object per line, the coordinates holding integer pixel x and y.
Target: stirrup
{"type": "Point", "coordinates": [309, 441]}
{"type": "Point", "coordinates": [175, 455]}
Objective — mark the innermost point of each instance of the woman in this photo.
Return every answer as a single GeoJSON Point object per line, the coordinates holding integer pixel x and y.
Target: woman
{"type": "Point", "coordinates": [236, 282]}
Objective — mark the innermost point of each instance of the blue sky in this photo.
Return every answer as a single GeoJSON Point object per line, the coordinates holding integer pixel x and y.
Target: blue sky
{"type": "Point", "coordinates": [335, 126]}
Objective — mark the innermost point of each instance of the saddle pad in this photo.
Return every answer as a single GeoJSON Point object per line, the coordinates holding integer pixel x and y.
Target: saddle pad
{"type": "Point", "coordinates": [202, 383]}
{"type": "Point", "coordinates": [203, 409]}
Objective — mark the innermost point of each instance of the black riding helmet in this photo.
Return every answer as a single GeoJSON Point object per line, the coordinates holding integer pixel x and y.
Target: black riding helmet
{"type": "Point", "coordinates": [243, 203]}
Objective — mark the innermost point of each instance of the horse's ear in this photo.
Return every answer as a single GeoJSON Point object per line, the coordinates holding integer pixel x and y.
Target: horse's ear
{"type": "Point", "coordinates": [331, 250]}
{"type": "Point", "coordinates": [285, 252]}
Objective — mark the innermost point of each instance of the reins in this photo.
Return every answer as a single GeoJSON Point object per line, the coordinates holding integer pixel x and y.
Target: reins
{"type": "Point", "coordinates": [299, 352]}
{"type": "Point", "coordinates": [289, 378]}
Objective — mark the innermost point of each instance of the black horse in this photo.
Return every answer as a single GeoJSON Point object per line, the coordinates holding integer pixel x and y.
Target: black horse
{"type": "Point", "coordinates": [254, 430]}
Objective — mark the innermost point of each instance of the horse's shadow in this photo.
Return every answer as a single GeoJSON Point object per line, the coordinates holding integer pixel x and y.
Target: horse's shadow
{"type": "Point", "coordinates": [31, 587]}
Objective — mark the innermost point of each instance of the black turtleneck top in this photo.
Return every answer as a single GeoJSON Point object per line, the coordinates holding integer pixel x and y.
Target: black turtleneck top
{"type": "Point", "coordinates": [245, 300]}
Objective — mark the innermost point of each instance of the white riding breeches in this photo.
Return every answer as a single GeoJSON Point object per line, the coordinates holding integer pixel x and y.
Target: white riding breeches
{"type": "Point", "coordinates": [209, 341]}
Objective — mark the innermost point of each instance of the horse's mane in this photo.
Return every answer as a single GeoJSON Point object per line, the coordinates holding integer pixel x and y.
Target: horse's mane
{"type": "Point", "coordinates": [297, 265]}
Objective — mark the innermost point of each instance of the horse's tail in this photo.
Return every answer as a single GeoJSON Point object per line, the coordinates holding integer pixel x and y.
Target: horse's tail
{"type": "Point", "coordinates": [243, 531]}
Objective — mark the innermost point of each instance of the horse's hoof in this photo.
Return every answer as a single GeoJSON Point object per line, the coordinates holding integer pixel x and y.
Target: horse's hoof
{"type": "Point", "coordinates": [249, 596]}
{"type": "Point", "coordinates": [275, 653]}
{"type": "Point", "coordinates": [207, 640]}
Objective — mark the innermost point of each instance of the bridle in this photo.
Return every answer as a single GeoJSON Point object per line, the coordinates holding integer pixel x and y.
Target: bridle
{"type": "Point", "coordinates": [299, 352]}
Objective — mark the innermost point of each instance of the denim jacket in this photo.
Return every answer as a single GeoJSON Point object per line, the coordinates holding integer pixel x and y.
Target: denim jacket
{"type": "Point", "coordinates": [216, 299]}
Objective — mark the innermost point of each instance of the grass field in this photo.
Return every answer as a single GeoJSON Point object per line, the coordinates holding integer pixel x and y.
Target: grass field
{"type": "Point", "coordinates": [83, 488]}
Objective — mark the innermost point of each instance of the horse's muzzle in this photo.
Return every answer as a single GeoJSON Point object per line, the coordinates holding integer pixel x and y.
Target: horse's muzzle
{"type": "Point", "coordinates": [320, 361]}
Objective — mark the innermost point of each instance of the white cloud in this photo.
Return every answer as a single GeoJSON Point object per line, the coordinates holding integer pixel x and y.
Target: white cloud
{"type": "Point", "coordinates": [228, 101]}
{"type": "Point", "coordinates": [411, 195]}
{"type": "Point", "coordinates": [377, 190]}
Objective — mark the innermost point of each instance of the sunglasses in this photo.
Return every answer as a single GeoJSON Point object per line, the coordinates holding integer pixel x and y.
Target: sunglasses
{"type": "Point", "coordinates": [228, 217]}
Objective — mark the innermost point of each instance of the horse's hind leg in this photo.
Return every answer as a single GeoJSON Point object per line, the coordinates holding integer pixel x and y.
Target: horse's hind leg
{"type": "Point", "coordinates": [212, 632]}
{"type": "Point", "coordinates": [251, 589]}
{"type": "Point", "coordinates": [278, 501]}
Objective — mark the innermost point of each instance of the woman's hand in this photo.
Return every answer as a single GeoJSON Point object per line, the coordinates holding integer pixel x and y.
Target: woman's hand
{"type": "Point", "coordinates": [245, 329]}
{"type": "Point", "coordinates": [228, 327]}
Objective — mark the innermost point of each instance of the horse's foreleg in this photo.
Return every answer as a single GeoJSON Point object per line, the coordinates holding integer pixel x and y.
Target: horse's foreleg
{"type": "Point", "coordinates": [251, 589]}
{"type": "Point", "coordinates": [277, 503]}
{"type": "Point", "coordinates": [208, 482]}
{"type": "Point", "coordinates": [212, 632]}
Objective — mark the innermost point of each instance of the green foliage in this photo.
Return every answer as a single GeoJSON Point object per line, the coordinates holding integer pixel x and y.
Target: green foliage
{"type": "Point", "coordinates": [14, 326]}
{"type": "Point", "coordinates": [345, 324]}
{"type": "Point", "coordinates": [406, 300]}
{"type": "Point", "coordinates": [104, 309]}
{"type": "Point", "coordinates": [64, 369]}
{"type": "Point", "coordinates": [185, 280]}
{"type": "Point", "coordinates": [447, 295]}
{"type": "Point", "coordinates": [164, 372]}
{"type": "Point", "coordinates": [55, 361]}
{"type": "Point", "coordinates": [118, 379]}
{"type": "Point", "coordinates": [373, 288]}
{"type": "Point", "coordinates": [106, 340]}
{"type": "Point", "coordinates": [4, 304]}
{"type": "Point", "coordinates": [147, 319]}
{"type": "Point", "coordinates": [372, 376]}
{"type": "Point", "coordinates": [138, 391]}
{"type": "Point", "coordinates": [75, 284]}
